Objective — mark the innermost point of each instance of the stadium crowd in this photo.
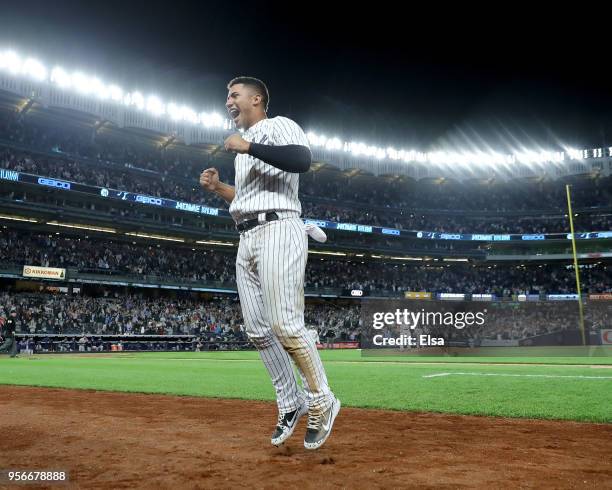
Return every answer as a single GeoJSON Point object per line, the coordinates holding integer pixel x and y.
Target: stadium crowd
{"type": "Point", "coordinates": [216, 320]}
{"type": "Point", "coordinates": [123, 314]}
{"type": "Point", "coordinates": [98, 159]}
{"type": "Point", "coordinates": [77, 156]}
{"type": "Point", "coordinates": [79, 322]}
{"type": "Point", "coordinates": [116, 257]}
{"type": "Point", "coordinates": [454, 223]}
{"type": "Point", "coordinates": [500, 280]}
{"type": "Point", "coordinates": [189, 265]}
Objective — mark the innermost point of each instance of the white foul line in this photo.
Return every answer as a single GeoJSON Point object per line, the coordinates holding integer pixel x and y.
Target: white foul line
{"type": "Point", "coordinates": [518, 375]}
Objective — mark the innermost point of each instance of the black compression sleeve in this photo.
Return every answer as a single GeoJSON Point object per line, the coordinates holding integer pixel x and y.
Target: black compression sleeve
{"type": "Point", "coordinates": [290, 158]}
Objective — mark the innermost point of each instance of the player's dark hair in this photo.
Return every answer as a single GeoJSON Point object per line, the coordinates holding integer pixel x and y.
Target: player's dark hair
{"type": "Point", "coordinates": [255, 83]}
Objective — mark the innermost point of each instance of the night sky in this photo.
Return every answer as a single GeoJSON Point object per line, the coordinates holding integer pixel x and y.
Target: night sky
{"type": "Point", "coordinates": [411, 78]}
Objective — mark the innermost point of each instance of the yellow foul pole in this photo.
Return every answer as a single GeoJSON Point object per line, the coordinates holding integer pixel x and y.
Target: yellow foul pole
{"type": "Point", "coordinates": [576, 269]}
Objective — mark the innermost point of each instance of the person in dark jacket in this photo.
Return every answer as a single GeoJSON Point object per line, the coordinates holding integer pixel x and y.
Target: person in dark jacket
{"type": "Point", "coordinates": [9, 345]}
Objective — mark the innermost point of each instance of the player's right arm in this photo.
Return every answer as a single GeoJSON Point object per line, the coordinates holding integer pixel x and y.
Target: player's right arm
{"type": "Point", "coordinates": [209, 180]}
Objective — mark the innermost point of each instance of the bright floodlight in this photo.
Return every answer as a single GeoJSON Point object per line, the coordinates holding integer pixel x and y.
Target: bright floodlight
{"type": "Point", "coordinates": [3, 60]}
{"type": "Point", "coordinates": [575, 154]}
{"type": "Point", "coordinates": [60, 77]}
{"type": "Point", "coordinates": [115, 93]}
{"type": "Point", "coordinates": [217, 119]}
{"type": "Point", "coordinates": [10, 62]}
{"type": "Point", "coordinates": [392, 153]}
{"type": "Point", "coordinates": [174, 111]}
{"type": "Point", "coordinates": [34, 69]}
{"type": "Point", "coordinates": [98, 88]}
{"type": "Point", "coordinates": [333, 144]}
{"type": "Point", "coordinates": [357, 148]}
{"type": "Point", "coordinates": [136, 99]}
{"type": "Point", "coordinates": [84, 84]}
{"type": "Point", "coordinates": [81, 83]}
{"type": "Point", "coordinates": [205, 119]}
{"type": "Point", "coordinates": [189, 115]}
{"type": "Point", "coordinates": [155, 105]}
{"type": "Point", "coordinates": [212, 120]}
{"type": "Point", "coordinates": [372, 151]}
{"type": "Point", "coordinates": [321, 140]}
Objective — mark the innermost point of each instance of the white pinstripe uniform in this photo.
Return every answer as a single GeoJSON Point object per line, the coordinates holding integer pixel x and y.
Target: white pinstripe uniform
{"type": "Point", "coordinates": [270, 269]}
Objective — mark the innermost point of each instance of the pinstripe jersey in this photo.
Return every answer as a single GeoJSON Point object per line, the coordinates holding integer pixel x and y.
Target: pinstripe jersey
{"type": "Point", "coordinates": [260, 187]}
{"type": "Point", "coordinates": [270, 268]}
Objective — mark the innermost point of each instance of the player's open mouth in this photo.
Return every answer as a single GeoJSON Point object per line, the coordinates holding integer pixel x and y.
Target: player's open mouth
{"type": "Point", "coordinates": [234, 113]}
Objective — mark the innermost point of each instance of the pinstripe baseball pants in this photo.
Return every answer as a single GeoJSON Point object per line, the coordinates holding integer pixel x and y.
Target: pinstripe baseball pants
{"type": "Point", "coordinates": [270, 269]}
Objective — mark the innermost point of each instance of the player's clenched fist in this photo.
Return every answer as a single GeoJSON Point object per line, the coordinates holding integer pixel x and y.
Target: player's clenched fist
{"type": "Point", "coordinates": [209, 179]}
{"type": "Point", "coordinates": [236, 144]}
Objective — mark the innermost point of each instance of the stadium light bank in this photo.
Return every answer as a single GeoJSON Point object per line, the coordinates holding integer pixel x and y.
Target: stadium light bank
{"type": "Point", "coordinates": [15, 65]}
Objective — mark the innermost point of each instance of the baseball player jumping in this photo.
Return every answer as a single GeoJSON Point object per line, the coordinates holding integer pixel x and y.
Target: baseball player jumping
{"type": "Point", "coordinates": [271, 261]}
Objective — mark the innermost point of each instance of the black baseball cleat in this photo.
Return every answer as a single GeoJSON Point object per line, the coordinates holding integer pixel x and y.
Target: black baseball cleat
{"type": "Point", "coordinates": [320, 426]}
{"type": "Point", "coordinates": [286, 424]}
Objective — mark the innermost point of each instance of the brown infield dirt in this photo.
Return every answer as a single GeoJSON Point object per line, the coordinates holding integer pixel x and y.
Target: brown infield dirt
{"type": "Point", "coordinates": [121, 440]}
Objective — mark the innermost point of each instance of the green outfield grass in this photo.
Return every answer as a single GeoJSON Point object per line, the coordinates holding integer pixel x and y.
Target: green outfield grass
{"type": "Point", "coordinates": [571, 388]}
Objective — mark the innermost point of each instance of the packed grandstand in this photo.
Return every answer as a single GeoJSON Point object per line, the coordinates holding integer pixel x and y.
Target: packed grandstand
{"type": "Point", "coordinates": [148, 257]}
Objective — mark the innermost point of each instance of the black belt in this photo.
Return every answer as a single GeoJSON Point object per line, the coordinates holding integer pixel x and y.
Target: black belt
{"type": "Point", "coordinates": [252, 223]}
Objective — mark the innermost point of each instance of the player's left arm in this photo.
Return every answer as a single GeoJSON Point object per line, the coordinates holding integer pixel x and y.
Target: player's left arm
{"type": "Point", "coordinates": [290, 151]}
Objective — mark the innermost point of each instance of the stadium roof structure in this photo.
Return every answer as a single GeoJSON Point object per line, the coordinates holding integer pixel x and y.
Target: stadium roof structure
{"type": "Point", "coordinates": [27, 84]}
